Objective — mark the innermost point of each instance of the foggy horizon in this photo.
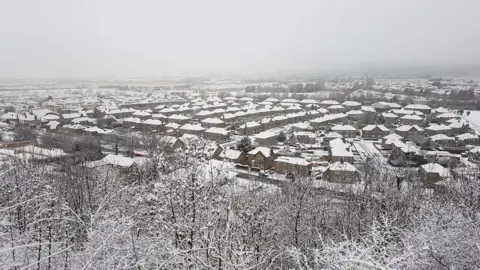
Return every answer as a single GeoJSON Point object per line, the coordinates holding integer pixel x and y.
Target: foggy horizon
{"type": "Point", "coordinates": [150, 39]}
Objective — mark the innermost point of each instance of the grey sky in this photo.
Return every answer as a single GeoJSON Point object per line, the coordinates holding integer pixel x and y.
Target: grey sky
{"type": "Point", "coordinates": [63, 38]}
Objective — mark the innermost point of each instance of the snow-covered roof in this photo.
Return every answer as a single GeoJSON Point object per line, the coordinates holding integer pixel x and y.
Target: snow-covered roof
{"type": "Point", "coordinates": [409, 127]}
{"type": "Point", "coordinates": [435, 127]}
{"type": "Point", "coordinates": [372, 127]}
{"type": "Point", "coordinates": [111, 160]}
{"type": "Point", "coordinates": [448, 115]}
{"type": "Point", "coordinates": [336, 107]}
{"type": "Point", "coordinates": [212, 121]}
{"type": "Point", "coordinates": [392, 137]}
{"type": "Point", "coordinates": [192, 127]}
{"type": "Point", "coordinates": [417, 107]}
{"type": "Point", "coordinates": [250, 125]}
{"type": "Point", "coordinates": [434, 168]}
{"type": "Point", "coordinates": [342, 166]}
{"type": "Point", "coordinates": [351, 103]}
{"type": "Point", "coordinates": [153, 122]}
{"type": "Point", "coordinates": [411, 117]}
{"type": "Point", "coordinates": [178, 117]}
{"type": "Point", "coordinates": [172, 125]}
{"type": "Point", "coordinates": [343, 128]}
{"type": "Point", "coordinates": [264, 150]}
{"type": "Point", "coordinates": [368, 109]}
{"type": "Point", "coordinates": [230, 154]}
{"type": "Point", "coordinates": [329, 102]}
{"type": "Point", "coordinates": [265, 135]}
{"type": "Point", "coordinates": [308, 101]}
{"type": "Point", "coordinates": [355, 112]}
{"type": "Point", "coordinates": [466, 136]}
{"type": "Point", "coordinates": [389, 115]}
{"type": "Point", "coordinates": [217, 130]}
{"type": "Point", "coordinates": [441, 137]}
{"type": "Point", "coordinates": [293, 160]}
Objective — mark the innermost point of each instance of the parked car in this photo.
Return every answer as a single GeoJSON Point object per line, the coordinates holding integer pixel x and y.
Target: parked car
{"type": "Point", "coordinates": [262, 174]}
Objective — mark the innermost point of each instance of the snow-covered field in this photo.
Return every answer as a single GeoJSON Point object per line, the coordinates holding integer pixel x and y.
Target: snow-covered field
{"type": "Point", "coordinates": [474, 119]}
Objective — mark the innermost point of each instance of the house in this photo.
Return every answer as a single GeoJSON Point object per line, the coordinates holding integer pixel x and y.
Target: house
{"type": "Point", "coordinates": [340, 150]}
{"type": "Point", "coordinates": [444, 117]}
{"type": "Point", "coordinates": [249, 128]}
{"type": "Point", "coordinates": [234, 156]}
{"type": "Point", "coordinates": [412, 133]}
{"type": "Point", "coordinates": [130, 122]}
{"type": "Point", "coordinates": [442, 140]}
{"type": "Point", "coordinates": [217, 134]}
{"type": "Point", "coordinates": [192, 129]}
{"type": "Point", "coordinates": [355, 115]}
{"type": "Point", "coordinates": [474, 155]}
{"type": "Point", "coordinates": [328, 103]}
{"type": "Point", "coordinates": [467, 139]}
{"type": "Point", "coordinates": [432, 173]}
{"type": "Point", "coordinates": [336, 109]}
{"type": "Point", "coordinates": [411, 119]}
{"type": "Point", "coordinates": [387, 141]}
{"type": "Point", "coordinates": [390, 118]}
{"type": "Point", "coordinates": [341, 172]}
{"type": "Point", "coordinates": [143, 115]}
{"type": "Point", "coordinates": [458, 126]}
{"type": "Point", "coordinates": [347, 131]}
{"type": "Point", "coordinates": [179, 119]}
{"type": "Point", "coordinates": [374, 132]}
{"type": "Point", "coordinates": [261, 158]}
{"type": "Point", "coordinates": [212, 122]}
{"type": "Point", "coordinates": [293, 165]}
{"type": "Point", "coordinates": [419, 107]}
{"type": "Point", "coordinates": [405, 154]}
{"type": "Point", "coordinates": [434, 129]}
{"type": "Point", "coordinates": [370, 115]}
{"type": "Point", "coordinates": [151, 125]}
{"type": "Point", "coordinates": [266, 138]}
{"type": "Point", "coordinates": [352, 105]}
{"type": "Point", "coordinates": [305, 137]}
{"type": "Point", "coordinates": [331, 136]}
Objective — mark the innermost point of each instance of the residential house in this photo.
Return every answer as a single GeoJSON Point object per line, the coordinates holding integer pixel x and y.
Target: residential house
{"type": "Point", "coordinates": [305, 137]}
{"type": "Point", "coordinates": [340, 150]}
{"type": "Point", "coordinates": [419, 107]}
{"type": "Point", "coordinates": [234, 156]}
{"type": "Point", "coordinates": [352, 105]}
{"type": "Point", "coordinates": [192, 129]}
{"type": "Point", "coordinates": [434, 129]}
{"type": "Point", "coordinates": [442, 140]}
{"type": "Point", "coordinates": [341, 172]}
{"type": "Point", "coordinates": [390, 118]}
{"type": "Point", "coordinates": [292, 165]}
{"type": "Point", "coordinates": [387, 141]}
{"type": "Point", "coordinates": [212, 122]}
{"type": "Point", "coordinates": [374, 132]}
{"type": "Point", "coordinates": [217, 134]}
{"type": "Point", "coordinates": [411, 119]}
{"type": "Point", "coordinates": [432, 173]}
{"type": "Point", "coordinates": [261, 158]}
{"type": "Point", "coordinates": [249, 128]}
{"type": "Point", "coordinates": [411, 133]}
{"type": "Point", "coordinates": [266, 138]}
{"type": "Point", "coordinates": [467, 139]}
{"type": "Point", "coordinates": [347, 131]}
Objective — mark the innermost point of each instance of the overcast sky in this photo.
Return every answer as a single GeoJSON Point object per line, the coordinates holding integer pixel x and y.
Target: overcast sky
{"type": "Point", "coordinates": [125, 39]}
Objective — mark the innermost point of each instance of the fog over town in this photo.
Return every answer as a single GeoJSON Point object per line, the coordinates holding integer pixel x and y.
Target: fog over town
{"type": "Point", "coordinates": [239, 134]}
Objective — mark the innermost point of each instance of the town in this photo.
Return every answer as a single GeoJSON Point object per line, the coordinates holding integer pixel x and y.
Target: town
{"type": "Point", "coordinates": [334, 131]}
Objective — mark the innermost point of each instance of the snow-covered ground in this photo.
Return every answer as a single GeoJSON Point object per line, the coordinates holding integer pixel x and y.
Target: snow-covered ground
{"type": "Point", "coordinates": [474, 119]}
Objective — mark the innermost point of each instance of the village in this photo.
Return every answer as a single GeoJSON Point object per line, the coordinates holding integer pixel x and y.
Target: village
{"type": "Point", "coordinates": [270, 140]}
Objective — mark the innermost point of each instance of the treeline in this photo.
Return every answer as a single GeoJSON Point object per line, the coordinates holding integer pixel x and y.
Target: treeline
{"type": "Point", "coordinates": [292, 88]}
